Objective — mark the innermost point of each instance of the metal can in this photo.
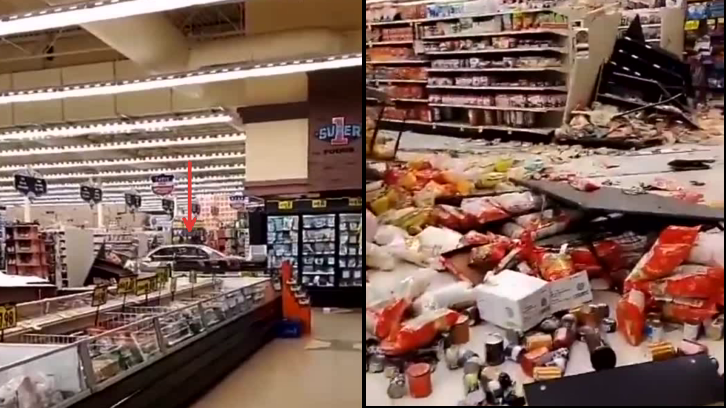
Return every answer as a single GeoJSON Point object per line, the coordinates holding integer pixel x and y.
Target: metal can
{"type": "Point", "coordinates": [375, 364]}
{"type": "Point", "coordinates": [691, 330]}
{"type": "Point", "coordinates": [397, 387]}
{"type": "Point", "coordinates": [654, 331]}
{"type": "Point", "coordinates": [714, 329]}
{"type": "Point", "coordinates": [494, 350]}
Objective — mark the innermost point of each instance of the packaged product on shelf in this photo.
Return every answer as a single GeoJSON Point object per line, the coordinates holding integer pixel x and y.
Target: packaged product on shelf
{"type": "Point", "coordinates": [435, 241]}
{"type": "Point", "coordinates": [518, 203]}
{"type": "Point", "coordinates": [687, 281]}
{"type": "Point", "coordinates": [672, 248]}
{"type": "Point", "coordinates": [488, 256]}
{"type": "Point", "coordinates": [452, 217]}
{"type": "Point", "coordinates": [631, 317]}
{"type": "Point", "coordinates": [514, 300]}
{"type": "Point", "coordinates": [685, 310]}
{"type": "Point", "coordinates": [387, 234]}
{"type": "Point", "coordinates": [483, 209]}
{"type": "Point", "coordinates": [379, 258]}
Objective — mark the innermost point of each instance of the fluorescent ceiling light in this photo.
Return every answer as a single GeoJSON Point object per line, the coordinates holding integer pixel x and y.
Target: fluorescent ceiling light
{"type": "Point", "coordinates": [211, 181]}
{"type": "Point", "coordinates": [134, 173]}
{"type": "Point", "coordinates": [109, 195]}
{"type": "Point", "coordinates": [77, 14]}
{"type": "Point", "coordinates": [138, 144]}
{"type": "Point", "coordinates": [125, 162]}
{"type": "Point", "coordinates": [226, 73]}
{"type": "Point", "coordinates": [142, 125]}
{"type": "Point", "coordinates": [52, 190]}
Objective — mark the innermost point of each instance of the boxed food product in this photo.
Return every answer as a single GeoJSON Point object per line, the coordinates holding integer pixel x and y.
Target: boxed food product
{"type": "Point", "coordinates": [514, 300]}
{"type": "Point", "coordinates": [570, 292]}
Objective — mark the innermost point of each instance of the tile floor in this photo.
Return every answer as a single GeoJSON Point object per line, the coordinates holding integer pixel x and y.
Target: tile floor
{"type": "Point", "coordinates": [283, 373]}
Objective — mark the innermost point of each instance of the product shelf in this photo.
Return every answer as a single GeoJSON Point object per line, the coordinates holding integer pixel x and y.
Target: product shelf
{"type": "Point", "coordinates": [496, 34]}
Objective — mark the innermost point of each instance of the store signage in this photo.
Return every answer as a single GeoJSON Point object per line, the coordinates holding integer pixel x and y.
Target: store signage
{"type": "Point", "coordinates": [339, 133]}
{"type": "Point", "coordinates": [237, 202]}
{"type": "Point", "coordinates": [8, 316]}
{"type": "Point", "coordinates": [168, 206]}
{"type": "Point", "coordinates": [126, 285]}
{"type": "Point", "coordinates": [30, 185]}
{"type": "Point", "coordinates": [284, 205]}
{"type": "Point", "coordinates": [162, 184]}
{"type": "Point", "coordinates": [355, 202]}
{"type": "Point", "coordinates": [320, 203]}
{"type": "Point", "coordinates": [133, 200]}
{"type": "Point", "coordinates": [145, 286]}
{"type": "Point", "coordinates": [100, 296]}
{"type": "Point", "coordinates": [91, 194]}
{"type": "Point", "coordinates": [335, 130]}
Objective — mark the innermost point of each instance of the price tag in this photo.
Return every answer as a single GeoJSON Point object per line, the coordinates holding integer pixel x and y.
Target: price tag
{"type": "Point", "coordinates": [144, 286]}
{"type": "Point", "coordinates": [8, 316]}
{"type": "Point", "coordinates": [100, 296]}
{"type": "Point", "coordinates": [355, 202]}
{"type": "Point", "coordinates": [284, 205]}
{"type": "Point", "coordinates": [692, 25]}
{"type": "Point", "coordinates": [172, 285]}
{"type": "Point", "coordinates": [126, 285]}
{"type": "Point", "coordinates": [320, 203]}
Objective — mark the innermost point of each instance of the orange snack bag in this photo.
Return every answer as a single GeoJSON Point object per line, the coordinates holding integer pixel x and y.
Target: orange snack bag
{"type": "Point", "coordinates": [631, 317]}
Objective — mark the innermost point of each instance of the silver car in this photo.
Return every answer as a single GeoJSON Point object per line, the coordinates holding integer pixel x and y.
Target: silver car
{"type": "Point", "coordinates": [190, 257]}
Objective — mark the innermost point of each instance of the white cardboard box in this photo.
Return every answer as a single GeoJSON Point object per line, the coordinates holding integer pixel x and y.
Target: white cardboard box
{"type": "Point", "coordinates": [571, 292]}
{"type": "Point", "coordinates": [513, 300]}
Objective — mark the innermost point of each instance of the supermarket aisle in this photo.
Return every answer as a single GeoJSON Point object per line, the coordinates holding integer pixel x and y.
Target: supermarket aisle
{"type": "Point", "coordinates": [284, 373]}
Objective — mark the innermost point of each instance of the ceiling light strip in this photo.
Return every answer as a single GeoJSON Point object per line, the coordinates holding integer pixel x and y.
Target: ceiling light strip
{"type": "Point", "coordinates": [146, 191]}
{"type": "Point", "coordinates": [145, 125]}
{"type": "Point", "coordinates": [180, 194]}
{"type": "Point", "coordinates": [139, 144]}
{"type": "Point", "coordinates": [125, 162]}
{"type": "Point", "coordinates": [77, 14]}
{"type": "Point", "coordinates": [135, 173]}
{"type": "Point", "coordinates": [228, 73]}
{"type": "Point", "coordinates": [214, 181]}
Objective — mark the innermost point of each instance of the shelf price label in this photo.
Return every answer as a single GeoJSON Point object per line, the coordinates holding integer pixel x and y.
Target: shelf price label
{"type": "Point", "coordinates": [284, 205]}
{"type": "Point", "coordinates": [100, 296]}
{"type": "Point", "coordinates": [126, 285]}
{"type": "Point", "coordinates": [145, 286]}
{"type": "Point", "coordinates": [692, 25]}
{"type": "Point", "coordinates": [320, 203]}
{"type": "Point", "coordinates": [8, 316]}
{"type": "Point", "coordinates": [355, 202]}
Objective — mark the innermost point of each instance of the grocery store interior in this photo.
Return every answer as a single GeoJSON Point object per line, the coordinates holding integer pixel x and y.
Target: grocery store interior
{"type": "Point", "coordinates": [544, 203]}
{"type": "Point", "coordinates": [181, 203]}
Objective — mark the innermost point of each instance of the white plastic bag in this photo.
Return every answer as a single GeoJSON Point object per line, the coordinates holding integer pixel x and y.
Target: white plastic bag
{"type": "Point", "coordinates": [388, 234]}
{"type": "Point", "coordinates": [708, 249]}
{"type": "Point", "coordinates": [435, 241]}
{"type": "Point", "coordinates": [518, 203]}
{"type": "Point", "coordinates": [371, 226]}
{"type": "Point", "coordinates": [379, 258]}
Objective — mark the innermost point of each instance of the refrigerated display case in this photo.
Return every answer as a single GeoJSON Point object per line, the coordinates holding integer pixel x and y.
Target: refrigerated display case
{"type": "Point", "coordinates": [328, 255]}
{"type": "Point", "coordinates": [318, 250]}
{"type": "Point", "coordinates": [282, 242]}
{"type": "Point", "coordinates": [350, 252]}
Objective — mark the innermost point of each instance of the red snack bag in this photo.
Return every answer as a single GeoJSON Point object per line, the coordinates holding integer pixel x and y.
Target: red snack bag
{"type": "Point", "coordinates": [532, 359]}
{"type": "Point", "coordinates": [688, 281]}
{"type": "Point", "coordinates": [552, 266]}
{"type": "Point", "coordinates": [682, 310]}
{"type": "Point", "coordinates": [631, 317]}
{"type": "Point", "coordinates": [483, 210]}
{"type": "Point", "coordinates": [610, 252]}
{"type": "Point", "coordinates": [419, 331]}
{"type": "Point", "coordinates": [672, 248]}
{"type": "Point", "coordinates": [451, 217]}
{"type": "Point", "coordinates": [388, 320]}
{"type": "Point", "coordinates": [489, 255]}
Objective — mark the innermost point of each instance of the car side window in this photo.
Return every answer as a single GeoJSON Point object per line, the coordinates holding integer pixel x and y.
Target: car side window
{"type": "Point", "coordinates": [201, 253]}
{"type": "Point", "coordinates": [162, 253]}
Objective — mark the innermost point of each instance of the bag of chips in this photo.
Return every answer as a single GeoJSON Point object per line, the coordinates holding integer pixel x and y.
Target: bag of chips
{"type": "Point", "coordinates": [518, 203]}
{"type": "Point", "coordinates": [672, 248]}
{"type": "Point", "coordinates": [630, 315]}
{"type": "Point", "coordinates": [687, 281]}
{"type": "Point", "coordinates": [419, 332]}
{"type": "Point", "coordinates": [682, 310]}
{"type": "Point", "coordinates": [452, 217]}
{"type": "Point", "coordinates": [483, 210]}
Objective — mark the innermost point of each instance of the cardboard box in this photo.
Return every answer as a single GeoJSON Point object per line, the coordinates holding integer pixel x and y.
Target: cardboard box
{"type": "Point", "coordinates": [514, 300]}
{"type": "Point", "coordinates": [571, 292]}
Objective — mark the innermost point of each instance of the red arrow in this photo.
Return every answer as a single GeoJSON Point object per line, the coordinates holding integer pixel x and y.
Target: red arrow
{"type": "Point", "coordinates": [190, 221]}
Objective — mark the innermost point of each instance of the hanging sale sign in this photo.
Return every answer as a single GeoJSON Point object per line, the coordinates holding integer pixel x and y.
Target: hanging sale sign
{"type": "Point", "coordinates": [30, 184]}
{"type": "Point", "coordinates": [133, 200]}
{"type": "Point", "coordinates": [91, 194]}
{"type": "Point", "coordinates": [168, 206]}
{"type": "Point", "coordinates": [162, 184]}
{"type": "Point", "coordinates": [237, 202]}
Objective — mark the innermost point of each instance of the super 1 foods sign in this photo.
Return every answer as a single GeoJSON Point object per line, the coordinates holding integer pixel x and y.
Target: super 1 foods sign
{"type": "Point", "coordinates": [335, 126]}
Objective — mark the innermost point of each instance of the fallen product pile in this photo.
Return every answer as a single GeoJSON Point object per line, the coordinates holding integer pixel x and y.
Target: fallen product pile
{"type": "Point", "coordinates": [444, 263]}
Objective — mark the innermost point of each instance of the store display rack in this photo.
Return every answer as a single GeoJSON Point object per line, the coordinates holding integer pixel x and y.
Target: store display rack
{"type": "Point", "coordinates": [143, 356]}
{"type": "Point", "coordinates": [25, 250]}
{"type": "Point", "coordinates": [320, 239]}
{"type": "Point", "coordinates": [499, 71]}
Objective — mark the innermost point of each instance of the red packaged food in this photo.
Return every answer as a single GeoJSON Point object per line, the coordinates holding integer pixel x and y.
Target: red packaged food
{"type": "Point", "coordinates": [682, 310]}
{"type": "Point", "coordinates": [532, 359]}
{"type": "Point", "coordinates": [672, 248]}
{"type": "Point", "coordinates": [552, 266]}
{"type": "Point", "coordinates": [631, 317]}
{"type": "Point", "coordinates": [477, 238]}
{"type": "Point", "coordinates": [688, 281]}
{"type": "Point", "coordinates": [483, 210]}
{"type": "Point", "coordinates": [583, 184]}
{"type": "Point", "coordinates": [610, 252]}
{"type": "Point", "coordinates": [489, 255]}
{"type": "Point", "coordinates": [388, 320]}
{"type": "Point", "coordinates": [419, 331]}
{"type": "Point", "coordinates": [452, 218]}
